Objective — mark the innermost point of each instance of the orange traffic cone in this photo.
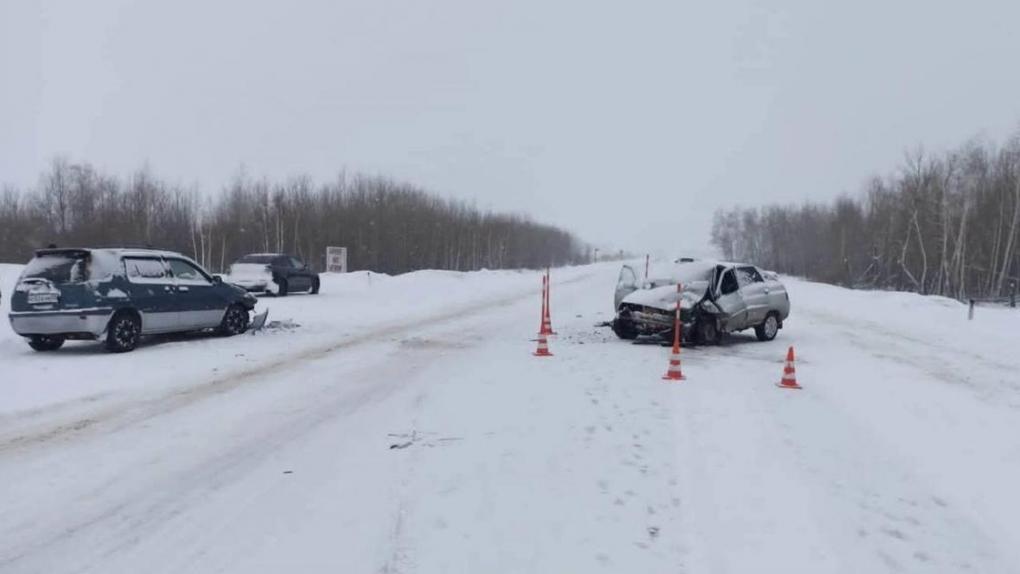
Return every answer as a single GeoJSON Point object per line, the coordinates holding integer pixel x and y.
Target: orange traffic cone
{"type": "Point", "coordinates": [673, 373]}
{"type": "Point", "coordinates": [789, 380]}
{"type": "Point", "coordinates": [545, 327]}
{"type": "Point", "coordinates": [547, 313]}
{"type": "Point", "coordinates": [543, 346]}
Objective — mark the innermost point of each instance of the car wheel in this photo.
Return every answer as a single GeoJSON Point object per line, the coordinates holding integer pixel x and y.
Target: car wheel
{"type": "Point", "coordinates": [624, 329]}
{"type": "Point", "coordinates": [281, 290]}
{"type": "Point", "coordinates": [44, 343]}
{"type": "Point", "coordinates": [235, 321]}
{"type": "Point", "coordinates": [315, 286]}
{"type": "Point", "coordinates": [123, 332]}
{"type": "Point", "coordinates": [768, 328]}
{"type": "Point", "coordinates": [706, 332]}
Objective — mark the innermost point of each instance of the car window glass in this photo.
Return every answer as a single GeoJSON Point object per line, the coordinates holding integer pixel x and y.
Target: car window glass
{"type": "Point", "coordinates": [145, 270]}
{"type": "Point", "coordinates": [747, 276]}
{"type": "Point", "coordinates": [187, 273]}
{"type": "Point", "coordinates": [282, 261]}
{"type": "Point", "coordinates": [58, 268]}
{"type": "Point", "coordinates": [729, 283]}
{"type": "Point", "coordinates": [296, 263]}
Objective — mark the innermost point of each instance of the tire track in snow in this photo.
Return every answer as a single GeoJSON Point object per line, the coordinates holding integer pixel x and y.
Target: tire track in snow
{"type": "Point", "coordinates": [145, 510]}
{"type": "Point", "coordinates": [143, 514]}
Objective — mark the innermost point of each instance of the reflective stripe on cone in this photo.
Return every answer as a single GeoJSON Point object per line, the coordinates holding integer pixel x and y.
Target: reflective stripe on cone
{"type": "Point", "coordinates": [543, 346]}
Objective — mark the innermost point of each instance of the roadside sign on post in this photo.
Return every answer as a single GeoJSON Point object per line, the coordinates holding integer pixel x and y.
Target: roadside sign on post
{"type": "Point", "coordinates": [336, 259]}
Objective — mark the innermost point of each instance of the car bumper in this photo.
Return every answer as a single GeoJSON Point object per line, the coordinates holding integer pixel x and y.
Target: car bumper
{"type": "Point", "coordinates": [656, 323]}
{"type": "Point", "coordinates": [653, 318]}
{"type": "Point", "coordinates": [252, 285]}
{"type": "Point", "coordinates": [78, 322]}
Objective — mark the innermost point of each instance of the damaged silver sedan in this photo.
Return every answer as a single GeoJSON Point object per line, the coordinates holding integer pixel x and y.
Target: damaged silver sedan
{"type": "Point", "coordinates": [716, 298]}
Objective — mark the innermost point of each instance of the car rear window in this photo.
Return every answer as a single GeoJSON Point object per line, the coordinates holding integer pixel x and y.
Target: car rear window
{"type": "Point", "coordinates": [58, 268]}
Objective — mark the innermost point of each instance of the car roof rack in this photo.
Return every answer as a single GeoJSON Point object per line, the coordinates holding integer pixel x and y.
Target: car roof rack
{"type": "Point", "coordinates": [62, 251]}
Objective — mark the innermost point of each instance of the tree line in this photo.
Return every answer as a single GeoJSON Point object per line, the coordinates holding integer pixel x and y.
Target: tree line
{"type": "Point", "coordinates": [387, 226]}
{"type": "Point", "coordinates": [945, 224]}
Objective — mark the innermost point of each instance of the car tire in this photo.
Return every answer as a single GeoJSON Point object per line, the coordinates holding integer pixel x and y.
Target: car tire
{"type": "Point", "coordinates": [315, 286]}
{"type": "Point", "coordinates": [235, 321]}
{"type": "Point", "coordinates": [44, 343]}
{"type": "Point", "coordinates": [768, 329]}
{"type": "Point", "coordinates": [281, 287]}
{"type": "Point", "coordinates": [706, 331]}
{"type": "Point", "coordinates": [123, 332]}
{"type": "Point", "coordinates": [624, 329]}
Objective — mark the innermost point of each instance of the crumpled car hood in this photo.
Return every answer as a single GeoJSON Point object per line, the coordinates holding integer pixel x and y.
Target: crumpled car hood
{"type": "Point", "coordinates": [664, 297]}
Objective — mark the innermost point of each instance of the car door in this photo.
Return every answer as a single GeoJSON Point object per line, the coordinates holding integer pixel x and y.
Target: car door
{"type": "Point", "coordinates": [301, 270]}
{"type": "Point", "coordinates": [151, 291]}
{"type": "Point", "coordinates": [730, 301]}
{"type": "Point", "coordinates": [198, 304]}
{"type": "Point", "coordinates": [625, 285]}
{"type": "Point", "coordinates": [285, 269]}
{"type": "Point", "coordinates": [778, 299]}
{"type": "Point", "coordinates": [754, 292]}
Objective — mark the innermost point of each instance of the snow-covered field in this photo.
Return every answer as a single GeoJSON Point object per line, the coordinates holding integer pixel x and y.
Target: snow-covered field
{"type": "Point", "coordinates": [400, 424]}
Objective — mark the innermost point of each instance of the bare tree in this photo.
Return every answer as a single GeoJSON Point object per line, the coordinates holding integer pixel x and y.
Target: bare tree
{"type": "Point", "coordinates": [946, 224]}
{"type": "Point", "coordinates": [389, 226]}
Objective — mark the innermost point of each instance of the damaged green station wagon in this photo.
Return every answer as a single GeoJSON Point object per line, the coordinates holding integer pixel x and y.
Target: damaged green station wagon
{"type": "Point", "coordinates": [118, 295]}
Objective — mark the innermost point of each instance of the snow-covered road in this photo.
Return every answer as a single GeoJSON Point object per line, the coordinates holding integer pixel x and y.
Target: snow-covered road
{"type": "Point", "coordinates": [403, 426]}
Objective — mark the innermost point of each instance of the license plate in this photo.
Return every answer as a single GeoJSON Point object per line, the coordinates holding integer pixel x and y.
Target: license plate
{"type": "Point", "coordinates": [42, 298]}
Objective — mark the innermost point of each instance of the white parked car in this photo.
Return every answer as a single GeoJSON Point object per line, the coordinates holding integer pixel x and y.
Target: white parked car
{"type": "Point", "coordinates": [274, 273]}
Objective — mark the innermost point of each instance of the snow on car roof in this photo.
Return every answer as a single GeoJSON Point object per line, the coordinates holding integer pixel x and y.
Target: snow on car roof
{"type": "Point", "coordinates": [682, 271]}
{"type": "Point", "coordinates": [121, 251]}
{"type": "Point", "coordinates": [106, 260]}
{"type": "Point", "coordinates": [144, 252]}
{"type": "Point", "coordinates": [690, 267]}
{"type": "Point", "coordinates": [690, 270]}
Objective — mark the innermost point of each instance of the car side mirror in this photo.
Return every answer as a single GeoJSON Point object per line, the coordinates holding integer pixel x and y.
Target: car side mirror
{"type": "Point", "coordinates": [216, 279]}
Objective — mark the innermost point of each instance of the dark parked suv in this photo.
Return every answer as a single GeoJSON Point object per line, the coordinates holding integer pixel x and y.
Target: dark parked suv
{"type": "Point", "coordinates": [276, 273]}
{"type": "Point", "coordinates": [117, 295]}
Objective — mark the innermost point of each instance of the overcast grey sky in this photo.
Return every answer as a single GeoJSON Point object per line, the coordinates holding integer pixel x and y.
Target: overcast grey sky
{"type": "Point", "coordinates": [627, 122]}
